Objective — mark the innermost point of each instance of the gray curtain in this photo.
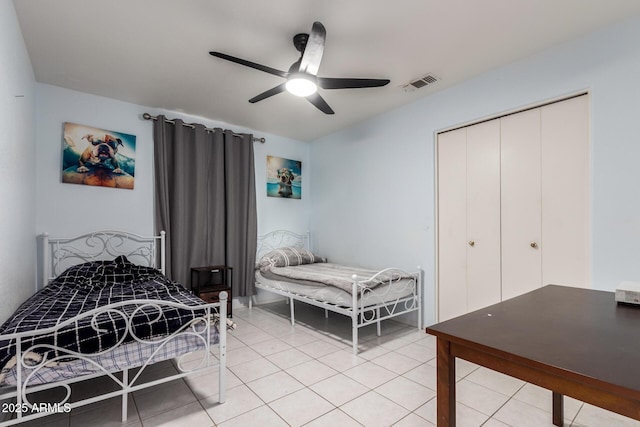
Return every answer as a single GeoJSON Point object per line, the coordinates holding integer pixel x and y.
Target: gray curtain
{"type": "Point", "coordinates": [206, 200]}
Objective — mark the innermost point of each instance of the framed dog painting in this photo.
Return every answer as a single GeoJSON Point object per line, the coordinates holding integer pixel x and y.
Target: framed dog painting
{"type": "Point", "coordinates": [284, 178]}
{"type": "Point", "coordinates": [92, 156]}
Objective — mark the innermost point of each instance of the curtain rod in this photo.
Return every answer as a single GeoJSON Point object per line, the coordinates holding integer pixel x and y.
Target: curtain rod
{"type": "Point", "coordinates": [148, 116]}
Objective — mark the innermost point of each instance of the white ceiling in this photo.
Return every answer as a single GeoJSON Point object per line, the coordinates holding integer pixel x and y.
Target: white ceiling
{"type": "Point", "coordinates": [155, 52]}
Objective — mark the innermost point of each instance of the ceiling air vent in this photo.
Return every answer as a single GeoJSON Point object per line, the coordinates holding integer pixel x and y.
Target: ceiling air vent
{"type": "Point", "coordinates": [420, 83]}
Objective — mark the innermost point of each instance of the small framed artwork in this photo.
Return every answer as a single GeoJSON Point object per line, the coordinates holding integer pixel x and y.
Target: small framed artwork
{"type": "Point", "coordinates": [99, 157]}
{"type": "Point", "coordinates": [284, 178]}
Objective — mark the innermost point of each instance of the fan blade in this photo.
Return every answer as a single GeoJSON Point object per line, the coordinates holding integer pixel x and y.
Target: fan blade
{"type": "Point", "coordinates": [320, 103]}
{"type": "Point", "coordinates": [250, 64]}
{"type": "Point", "coordinates": [340, 83]}
{"type": "Point", "coordinates": [266, 94]}
{"type": "Point", "coordinates": [314, 49]}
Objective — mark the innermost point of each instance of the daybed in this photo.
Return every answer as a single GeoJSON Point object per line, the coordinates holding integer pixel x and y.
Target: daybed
{"type": "Point", "coordinates": [286, 266]}
{"type": "Point", "coordinates": [105, 308]}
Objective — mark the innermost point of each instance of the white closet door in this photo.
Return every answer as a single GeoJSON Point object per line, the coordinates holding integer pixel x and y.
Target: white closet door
{"type": "Point", "coordinates": [483, 215]}
{"type": "Point", "coordinates": [565, 192]}
{"type": "Point", "coordinates": [521, 203]}
{"type": "Point", "coordinates": [452, 220]}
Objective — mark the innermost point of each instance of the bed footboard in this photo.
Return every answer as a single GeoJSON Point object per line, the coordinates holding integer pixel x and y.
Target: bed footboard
{"type": "Point", "coordinates": [373, 304]}
{"type": "Point", "coordinates": [400, 294]}
{"type": "Point", "coordinates": [36, 357]}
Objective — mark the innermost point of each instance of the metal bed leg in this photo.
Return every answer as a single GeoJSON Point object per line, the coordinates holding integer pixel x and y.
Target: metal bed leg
{"type": "Point", "coordinates": [222, 344]}
{"type": "Point", "coordinates": [250, 302]}
{"type": "Point", "coordinates": [125, 395]}
{"type": "Point", "coordinates": [418, 292]}
{"type": "Point", "coordinates": [354, 334]}
{"type": "Point", "coordinates": [326, 313]}
{"type": "Point", "coordinates": [378, 332]}
{"type": "Point", "coordinates": [354, 314]}
{"type": "Point", "coordinates": [293, 321]}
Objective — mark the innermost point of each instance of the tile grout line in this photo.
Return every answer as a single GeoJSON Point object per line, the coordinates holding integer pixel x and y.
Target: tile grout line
{"type": "Point", "coordinates": [502, 406]}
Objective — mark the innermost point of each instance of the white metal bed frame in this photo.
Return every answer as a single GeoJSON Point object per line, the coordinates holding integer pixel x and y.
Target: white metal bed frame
{"type": "Point", "coordinates": [61, 253]}
{"type": "Point", "coordinates": [361, 315]}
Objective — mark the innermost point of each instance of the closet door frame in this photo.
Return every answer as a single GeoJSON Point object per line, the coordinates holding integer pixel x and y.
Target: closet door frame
{"type": "Point", "coordinates": [549, 101]}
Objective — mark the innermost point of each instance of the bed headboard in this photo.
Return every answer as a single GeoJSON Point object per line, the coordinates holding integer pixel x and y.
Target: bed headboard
{"type": "Point", "coordinates": [58, 254]}
{"type": "Point", "coordinates": [281, 238]}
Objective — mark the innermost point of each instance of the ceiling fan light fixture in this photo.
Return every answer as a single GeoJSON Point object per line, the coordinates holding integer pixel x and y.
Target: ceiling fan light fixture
{"type": "Point", "coordinates": [301, 78]}
{"type": "Point", "coordinates": [301, 84]}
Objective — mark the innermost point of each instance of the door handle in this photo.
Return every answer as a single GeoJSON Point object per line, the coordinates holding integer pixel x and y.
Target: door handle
{"type": "Point", "coordinates": [533, 245]}
{"type": "Point", "coordinates": [472, 243]}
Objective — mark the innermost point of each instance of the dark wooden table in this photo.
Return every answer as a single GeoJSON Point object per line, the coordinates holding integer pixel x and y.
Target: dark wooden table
{"type": "Point", "coordinates": [572, 341]}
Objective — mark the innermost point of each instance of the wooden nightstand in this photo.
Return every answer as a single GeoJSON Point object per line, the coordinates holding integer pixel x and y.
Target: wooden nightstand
{"type": "Point", "coordinates": [207, 283]}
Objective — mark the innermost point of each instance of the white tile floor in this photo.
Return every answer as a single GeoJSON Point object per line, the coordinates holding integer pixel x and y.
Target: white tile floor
{"type": "Point", "coordinates": [279, 375]}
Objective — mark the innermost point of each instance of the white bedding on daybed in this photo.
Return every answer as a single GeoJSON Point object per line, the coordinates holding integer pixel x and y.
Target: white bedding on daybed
{"type": "Point", "coordinates": [320, 292]}
{"type": "Point", "coordinates": [286, 266]}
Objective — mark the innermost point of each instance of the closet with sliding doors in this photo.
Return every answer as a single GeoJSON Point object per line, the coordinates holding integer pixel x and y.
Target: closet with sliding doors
{"type": "Point", "coordinates": [512, 206]}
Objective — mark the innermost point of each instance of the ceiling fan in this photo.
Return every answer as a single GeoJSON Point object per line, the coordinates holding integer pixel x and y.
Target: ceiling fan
{"type": "Point", "coordinates": [302, 78]}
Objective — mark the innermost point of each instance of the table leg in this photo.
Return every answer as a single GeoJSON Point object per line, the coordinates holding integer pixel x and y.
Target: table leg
{"type": "Point", "coordinates": [446, 372]}
{"type": "Point", "coordinates": [558, 409]}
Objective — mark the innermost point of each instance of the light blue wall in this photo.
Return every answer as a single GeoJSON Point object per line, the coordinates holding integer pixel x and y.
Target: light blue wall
{"type": "Point", "coordinates": [373, 184]}
{"type": "Point", "coordinates": [80, 208]}
{"type": "Point", "coordinates": [17, 166]}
